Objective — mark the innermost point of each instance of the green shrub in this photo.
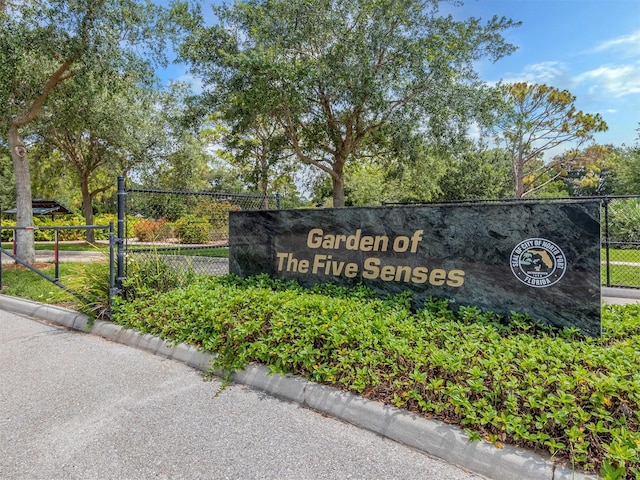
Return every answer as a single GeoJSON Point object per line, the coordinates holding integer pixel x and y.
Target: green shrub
{"type": "Point", "coordinates": [192, 229]}
{"type": "Point", "coordinates": [148, 230]}
{"type": "Point", "coordinates": [64, 221]}
{"type": "Point", "coordinates": [92, 283]}
{"type": "Point", "coordinates": [624, 220]}
{"type": "Point", "coordinates": [7, 235]}
{"type": "Point", "coordinates": [502, 380]}
{"type": "Point", "coordinates": [218, 214]}
{"type": "Point", "coordinates": [149, 274]}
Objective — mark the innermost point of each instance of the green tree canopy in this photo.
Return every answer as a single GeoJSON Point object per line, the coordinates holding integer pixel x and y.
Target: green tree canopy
{"type": "Point", "coordinates": [101, 124]}
{"type": "Point", "coordinates": [257, 152]}
{"type": "Point", "coordinates": [477, 173]}
{"type": "Point", "coordinates": [346, 79]}
{"type": "Point", "coordinates": [44, 44]}
{"type": "Point", "coordinates": [591, 171]}
{"type": "Point", "coordinates": [627, 178]}
{"type": "Point", "coordinates": [540, 118]}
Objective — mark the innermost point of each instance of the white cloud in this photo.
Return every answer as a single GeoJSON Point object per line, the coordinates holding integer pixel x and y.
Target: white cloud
{"type": "Point", "coordinates": [550, 73]}
{"type": "Point", "coordinates": [615, 80]}
{"type": "Point", "coordinates": [627, 45]}
{"type": "Point", "coordinates": [196, 84]}
{"type": "Point", "coordinates": [612, 80]}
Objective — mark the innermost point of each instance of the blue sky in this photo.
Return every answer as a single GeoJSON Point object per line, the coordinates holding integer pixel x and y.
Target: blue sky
{"type": "Point", "coordinates": [589, 47]}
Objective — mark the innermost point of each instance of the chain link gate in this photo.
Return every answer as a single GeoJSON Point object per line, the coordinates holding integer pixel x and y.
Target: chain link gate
{"type": "Point", "coordinates": [184, 231]}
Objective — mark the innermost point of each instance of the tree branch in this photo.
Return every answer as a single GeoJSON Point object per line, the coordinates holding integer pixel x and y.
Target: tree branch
{"type": "Point", "coordinates": [61, 74]}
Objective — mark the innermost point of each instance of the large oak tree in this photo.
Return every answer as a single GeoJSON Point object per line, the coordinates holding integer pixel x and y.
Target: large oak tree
{"type": "Point", "coordinates": [48, 42]}
{"type": "Point", "coordinates": [99, 127]}
{"type": "Point", "coordinates": [346, 79]}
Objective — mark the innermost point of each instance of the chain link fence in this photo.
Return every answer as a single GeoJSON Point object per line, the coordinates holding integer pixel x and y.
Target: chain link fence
{"type": "Point", "coordinates": [621, 241]}
{"type": "Point", "coordinates": [185, 232]}
{"type": "Point", "coordinates": [620, 235]}
{"type": "Point", "coordinates": [169, 234]}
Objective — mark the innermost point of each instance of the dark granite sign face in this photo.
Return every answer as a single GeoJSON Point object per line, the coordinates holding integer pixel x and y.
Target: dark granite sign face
{"type": "Point", "coordinates": [540, 259]}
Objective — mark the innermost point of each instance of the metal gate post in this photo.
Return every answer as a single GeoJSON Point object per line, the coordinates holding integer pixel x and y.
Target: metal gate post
{"type": "Point", "coordinates": [113, 291]}
{"type": "Point", "coordinates": [606, 240]}
{"type": "Point", "coordinates": [122, 193]}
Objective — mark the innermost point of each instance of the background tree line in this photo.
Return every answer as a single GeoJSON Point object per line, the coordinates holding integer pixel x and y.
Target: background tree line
{"type": "Point", "coordinates": [329, 102]}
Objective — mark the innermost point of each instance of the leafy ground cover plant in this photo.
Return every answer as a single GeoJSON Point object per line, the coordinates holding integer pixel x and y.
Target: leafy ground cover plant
{"type": "Point", "coordinates": [503, 380]}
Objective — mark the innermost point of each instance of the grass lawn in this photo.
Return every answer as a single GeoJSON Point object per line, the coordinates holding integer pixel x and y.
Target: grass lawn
{"type": "Point", "coordinates": [21, 282]}
{"type": "Point", "coordinates": [621, 255]}
{"type": "Point", "coordinates": [622, 276]}
{"type": "Point", "coordinates": [90, 280]}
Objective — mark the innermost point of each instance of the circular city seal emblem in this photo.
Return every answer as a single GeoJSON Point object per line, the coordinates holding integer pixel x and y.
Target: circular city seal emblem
{"type": "Point", "coordinates": [538, 262]}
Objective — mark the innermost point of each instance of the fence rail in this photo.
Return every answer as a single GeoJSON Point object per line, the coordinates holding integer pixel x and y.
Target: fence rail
{"type": "Point", "coordinates": [56, 258]}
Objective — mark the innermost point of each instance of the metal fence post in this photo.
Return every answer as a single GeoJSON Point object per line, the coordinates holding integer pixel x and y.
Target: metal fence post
{"type": "Point", "coordinates": [121, 232]}
{"type": "Point", "coordinates": [113, 291]}
{"type": "Point", "coordinates": [56, 257]}
{"type": "Point", "coordinates": [606, 240]}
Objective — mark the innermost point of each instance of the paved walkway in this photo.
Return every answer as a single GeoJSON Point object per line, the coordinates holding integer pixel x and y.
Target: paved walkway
{"type": "Point", "coordinates": [76, 406]}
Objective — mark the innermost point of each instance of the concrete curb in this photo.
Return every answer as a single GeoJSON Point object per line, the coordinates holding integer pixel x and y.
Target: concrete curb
{"type": "Point", "coordinates": [616, 292]}
{"type": "Point", "coordinates": [435, 438]}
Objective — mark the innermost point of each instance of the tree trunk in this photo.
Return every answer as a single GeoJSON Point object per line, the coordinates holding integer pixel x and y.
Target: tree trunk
{"type": "Point", "coordinates": [25, 246]}
{"type": "Point", "coordinates": [519, 183]}
{"type": "Point", "coordinates": [264, 183]}
{"type": "Point", "coordinates": [87, 208]}
{"type": "Point", "coordinates": [518, 176]}
{"type": "Point", "coordinates": [338, 190]}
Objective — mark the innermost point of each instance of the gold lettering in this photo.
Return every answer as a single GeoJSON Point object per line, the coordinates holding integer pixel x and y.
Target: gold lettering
{"type": "Point", "coordinates": [366, 244]}
{"type": "Point", "coordinates": [318, 263]}
{"type": "Point", "coordinates": [281, 256]}
{"type": "Point", "coordinates": [314, 238]}
{"type": "Point", "coordinates": [437, 277]}
{"type": "Point", "coordinates": [455, 278]}
{"type": "Point", "coordinates": [303, 266]}
{"type": "Point", "coordinates": [420, 275]}
{"type": "Point", "coordinates": [371, 270]}
{"type": "Point", "coordinates": [401, 244]}
{"type": "Point", "coordinates": [387, 273]}
{"type": "Point", "coordinates": [417, 237]}
{"type": "Point", "coordinates": [381, 243]}
{"type": "Point", "coordinates": [406, 270]}
{"type": "Point", "coordinates": [351, 270]}
{"type": "Point", "coordinates": [353, 241]}
{"type": "Point", "coordinates": [328, 242]}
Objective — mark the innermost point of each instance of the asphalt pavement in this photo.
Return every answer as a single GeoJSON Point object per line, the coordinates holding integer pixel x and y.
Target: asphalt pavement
{"type": "Point", "coordinates": [78, 406]}
{"type": "Point", "coordinates": [120, 404]}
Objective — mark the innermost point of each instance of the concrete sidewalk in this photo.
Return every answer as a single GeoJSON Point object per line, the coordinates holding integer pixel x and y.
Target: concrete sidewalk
{"type": "Point", "coordinates": [620, 296]}
{"type": "Point", "coordinates": [75, 406]}
{"type": "Point", "coordinates": [47, 256]}
{"type": "Point", "coordinates": [78, 380]}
